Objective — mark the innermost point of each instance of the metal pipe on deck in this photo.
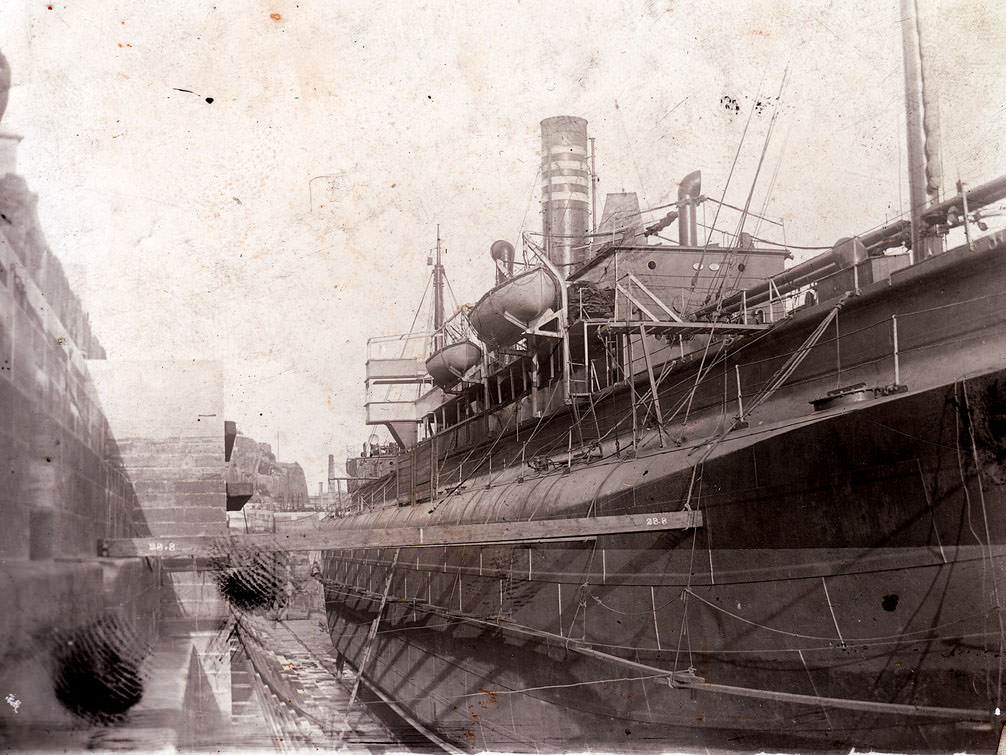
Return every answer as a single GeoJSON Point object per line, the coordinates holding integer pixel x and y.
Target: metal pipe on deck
{"type": "Point", "coordinates": [796, 276]}
{"type": "Point", "coordinates": [688, 194]}
{"type": "Point", "coordinates": [979, 196]}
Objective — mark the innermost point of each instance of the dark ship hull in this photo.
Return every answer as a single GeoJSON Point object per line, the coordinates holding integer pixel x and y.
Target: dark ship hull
{"type": "Point", "coordinates": [841, 590]}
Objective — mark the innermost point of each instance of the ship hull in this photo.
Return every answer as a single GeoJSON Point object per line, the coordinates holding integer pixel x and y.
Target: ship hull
{"type": "Point", "coordinates": [848, 564]}
{"type": "Point", "coordinates": [842, 589]}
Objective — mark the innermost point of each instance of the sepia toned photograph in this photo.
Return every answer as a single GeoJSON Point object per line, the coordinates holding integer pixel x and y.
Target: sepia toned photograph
{"type": "Point", "coordinates": [515, 376]}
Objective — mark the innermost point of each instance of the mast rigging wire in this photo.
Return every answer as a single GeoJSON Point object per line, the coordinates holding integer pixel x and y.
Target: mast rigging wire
{"type": "Point", "coordinates": [722, 275]}
{"type": "Point", "coordinates": [726, 186]}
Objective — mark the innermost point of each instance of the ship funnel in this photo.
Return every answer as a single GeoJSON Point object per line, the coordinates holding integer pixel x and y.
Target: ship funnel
{"type": "Point", "coordinates": [331, 471]}
{"type": "Point", "coordinates": [565, 190]}
{"type": "Point", "coordinates": [688, 194]}
{"type": "Point", "coordinates": [502, 254]}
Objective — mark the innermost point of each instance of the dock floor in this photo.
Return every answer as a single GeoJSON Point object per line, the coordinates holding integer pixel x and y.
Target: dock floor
{"type": "Point", "coordinates": [307, 696]}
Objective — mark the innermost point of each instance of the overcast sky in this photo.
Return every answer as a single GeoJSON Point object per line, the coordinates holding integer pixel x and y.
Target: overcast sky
{"type": "Point", "coordinates": [189, 224]}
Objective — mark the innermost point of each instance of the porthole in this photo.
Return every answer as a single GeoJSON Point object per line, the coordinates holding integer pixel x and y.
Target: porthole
{"type": "Point", "coordinates": [652, 265]}
{"type": "Point", "coordinates": [714, 267]}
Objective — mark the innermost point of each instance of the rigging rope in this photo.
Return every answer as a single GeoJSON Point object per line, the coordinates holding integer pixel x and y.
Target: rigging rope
{"type": "Point", "coordinates": [786, 370]}
{"type": "Point", "coordinates": [726, 185]}
{"type": "Point", "coordinates": [988, 567]}
{"type": "Point", "coordinates": [722, 273]}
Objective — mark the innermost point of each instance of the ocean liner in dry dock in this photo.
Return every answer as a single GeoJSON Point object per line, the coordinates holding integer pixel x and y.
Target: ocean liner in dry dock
{"type": "Point", "coordinates": [660, 495]}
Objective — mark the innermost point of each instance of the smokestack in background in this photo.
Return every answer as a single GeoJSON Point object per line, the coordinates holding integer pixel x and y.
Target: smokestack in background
{"type": "Point", "coordinates": [565, 190]}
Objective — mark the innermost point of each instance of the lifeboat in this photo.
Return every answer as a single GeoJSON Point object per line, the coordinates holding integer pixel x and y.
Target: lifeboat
{"type": "Point", "coordinates": [524, 297]}
{"type": "Point", "coordinates": [447, 364]}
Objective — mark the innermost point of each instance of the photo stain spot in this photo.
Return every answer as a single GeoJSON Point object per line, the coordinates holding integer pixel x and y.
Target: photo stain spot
{"type": "Point", "coordinates": [275, 16]}
{"type": "Point", "coordinates": [249, 581]}
{"type": "Point", "coordinates": [890, 602]}
{"type": "Point", "coordinates": [730, 104]}
{"type": "Point", "coordinates": [96, 671]}
{"type": "Point", "coordinates": [209, 100]}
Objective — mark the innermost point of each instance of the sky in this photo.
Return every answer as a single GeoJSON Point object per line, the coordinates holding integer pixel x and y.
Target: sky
{"type": "Point", "coordinates": [260, 181]}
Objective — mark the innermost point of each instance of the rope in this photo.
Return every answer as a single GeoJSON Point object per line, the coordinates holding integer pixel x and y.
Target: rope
{"type": "Point", "coordinates": [722, 273]}
{"type": "Point", "coordinates": [771, 185]}
{"type": "Point", "coordinates": [581, 601]}
{"type": "Point", "coordinates": [628, 144]}
{"type": "Point", "coordinates": [834, 642]}
{"type": "Point", "coordinates": [764, 209]}
{"type": "Point", "coordinates": [988, 567]}
{"type": "Point", "coordinates": [617, 680]}
{"type": "Point", "coordinates": [726, 185]}
{"type": "Point", "coordinates": [530, 198]}
{"type": "Point", "coordinates": [784, 372]}
{"type": "Point", "coordinates": [899, 637]}
{"type": "Point", "coordinates": [752, 214]}
{"type": "Point", "coordinates": [630, 613]}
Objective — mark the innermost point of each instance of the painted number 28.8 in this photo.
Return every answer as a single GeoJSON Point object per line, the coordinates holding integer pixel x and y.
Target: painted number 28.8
{"type": "Point", "coordinates": [655, 521]}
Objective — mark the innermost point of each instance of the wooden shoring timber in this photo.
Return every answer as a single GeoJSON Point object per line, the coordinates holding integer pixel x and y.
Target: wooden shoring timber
{"type": "Point", "coordinates": [684, 678]}
{"type": "Point", "coordinates": [368, 646]}
{"type": "Point", "coordinates": [332, 538]}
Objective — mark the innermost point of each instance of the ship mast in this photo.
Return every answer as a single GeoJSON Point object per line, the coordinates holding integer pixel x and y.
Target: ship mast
{"type": "Point", "coordinates": [922, 119]}
{"type": "Point", "coordinates": [438, 295]}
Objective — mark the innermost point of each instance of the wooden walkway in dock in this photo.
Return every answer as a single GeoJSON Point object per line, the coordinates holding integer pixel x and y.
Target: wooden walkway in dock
{"type": "Point", "coordinates": [306, 697]}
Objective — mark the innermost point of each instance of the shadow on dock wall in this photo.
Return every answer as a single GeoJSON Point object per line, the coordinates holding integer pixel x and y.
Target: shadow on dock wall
{"type": "Point", "coordinates": [82, 461]}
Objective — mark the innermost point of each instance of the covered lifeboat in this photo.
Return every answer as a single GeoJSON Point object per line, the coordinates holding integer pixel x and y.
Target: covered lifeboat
{"type": "Point", "coordinates": [454, 350]}
{"type": "Point", "coordinates": [523, 298]}
{"type": "Point", "coordinates": [448, 364]}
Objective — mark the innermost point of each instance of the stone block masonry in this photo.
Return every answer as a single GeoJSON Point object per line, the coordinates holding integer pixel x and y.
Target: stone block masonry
{"type": "Point", "coordinates": [61, 490]}
{"type": "Point", "coordinates": [167, 421]}
{"type": "Point", "coordinates": [75, 628]}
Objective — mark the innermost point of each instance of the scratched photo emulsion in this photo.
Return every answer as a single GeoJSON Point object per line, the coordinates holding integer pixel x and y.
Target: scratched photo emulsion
{"type": "Point", "coordinates": [508, 377]}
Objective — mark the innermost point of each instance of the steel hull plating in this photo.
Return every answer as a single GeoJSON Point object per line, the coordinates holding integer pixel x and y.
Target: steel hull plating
{"type": "Point", "coordinates": [866, 584]}
{"type": "Point", "coordinates": [842, 591]}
